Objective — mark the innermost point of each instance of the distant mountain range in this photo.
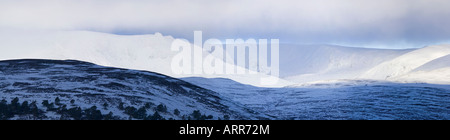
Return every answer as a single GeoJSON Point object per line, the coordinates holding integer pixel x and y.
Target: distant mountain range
{"type": "Point", "coordinates": [131, 74]}
{"type": "Point", "coordinates": [298, 63]}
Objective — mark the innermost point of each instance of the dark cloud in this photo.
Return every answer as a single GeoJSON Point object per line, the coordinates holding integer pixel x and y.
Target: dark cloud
{"type": "Point", "coordinates": [369, 23]}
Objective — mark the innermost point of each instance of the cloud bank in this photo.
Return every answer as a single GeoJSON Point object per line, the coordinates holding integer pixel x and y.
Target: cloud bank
{"type": "Point", "coordinates": [394, 23]}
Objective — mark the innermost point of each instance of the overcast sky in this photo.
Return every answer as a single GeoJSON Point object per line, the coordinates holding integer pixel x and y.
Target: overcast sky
{"type": "Point", "coordinates": [359, 23]}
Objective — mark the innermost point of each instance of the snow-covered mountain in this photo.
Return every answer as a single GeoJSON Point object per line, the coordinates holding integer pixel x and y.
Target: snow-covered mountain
{"type": "Point", "coordinates": [334, 84]}
{"type": "Point", "coordinates": [92, 85]}
{"type": "Point", "coordinates": [142, 52]}
{"type": "Point", "coordinates": [435, 71]}
{"type": "Point", "coordinates": [427, 64]}
{"type": "Point", "coordinates": [298, 63]}
{"type": "Point", "coordinates": [320, 81]}
{"type": "Point", "coordinates": [322, 63]}
{"type": "Point", "coordinates": [307, 63]}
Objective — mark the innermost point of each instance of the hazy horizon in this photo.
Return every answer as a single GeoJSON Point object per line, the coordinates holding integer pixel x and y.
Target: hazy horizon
{"type": "Point", "coordinates": [391, 24]}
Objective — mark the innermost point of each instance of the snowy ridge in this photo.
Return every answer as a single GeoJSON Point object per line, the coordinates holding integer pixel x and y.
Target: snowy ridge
{"type": "Point", "coordinates": [324, 62]}
{"type": "Point", "coordinates": [92, 85]}
{"type": "Point", "coordinates": [298, 63]}
{"type": "Point", "coordinates": [407, 62]}
{"type": "Point", "coordinates": [325, 59]}
{"type": "Point", "coordinates": [441, 62]}
{"type": "Point", "coordinates": [319, 81]}
{"type": "Point", "coordinates": [141, 52]}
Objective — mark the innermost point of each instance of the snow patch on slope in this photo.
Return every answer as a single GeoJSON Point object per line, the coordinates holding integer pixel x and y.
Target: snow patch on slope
{"type": "Point", "coordinates": [325, 62]}
{"type": "Point", "coordinates": [439, 63]}
{"type": "Point", "coordinates": [407, 62]}
{"type": "Point", "coordinates": [298, 63]}
{"type": "Point", "coordinates": [141, 52]}
{"type": "Point", "coordinates": [437, 76]}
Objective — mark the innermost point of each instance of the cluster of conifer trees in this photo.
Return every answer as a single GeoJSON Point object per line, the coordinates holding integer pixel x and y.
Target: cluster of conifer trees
{"type": "Point", "coordinates": [9, 110]}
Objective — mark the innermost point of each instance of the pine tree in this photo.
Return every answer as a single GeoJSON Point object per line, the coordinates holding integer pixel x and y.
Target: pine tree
{"type": "Point", "coordinates": [121, 107]}
{"type": "Point", "coordinates": [196, 115]}
{"type": "Point", "coordinates": [57, 101]}
{"type": "Point", "coordinates": [147, 105]}
{"type": "Point", "coordinates": [45, 103]}
{"type": "Point", "coordinates": [15, 101]}
{"type": "Point", "coordinates": [176, 112]}
{"type": "Point", "coordinates": [156, 116]}
{"type": "Point", "coordinates": [109, 116]}
{"type": "Point", "coordinates": [141, 113]}
{"type": "Point", "coordinates": [62, 109]}
{"type": "Point", "coordinates": [75, 113]}
{"type": "Point", "coordinates": [93, 114]}
{"type": "Point", "coordinates": [25, 109]}
{"type": "Point", "coordinates": [3, 109]}
{"type": "Point", "coordinates": [15, 106]}
{"type": "Point", "coordinates": [105, 106]}
{"type": "Point", "coordinates": [226, 117]}
{"type": "Point", "coordinates": [37, 114]}
{"type": "Point", "coordinates": [130, 111]}
{"type": "Point", "coordinates": [51, 107]}
{"type": "Point", "coordinates": [161, 108]}
{"type": "Point", "coordinates": [4, 102]}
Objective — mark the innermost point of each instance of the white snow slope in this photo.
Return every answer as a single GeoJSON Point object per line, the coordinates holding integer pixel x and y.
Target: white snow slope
{"type": "Point", "coordinates": [298, 64]}
{"type": "Point", "coordinates": [407, 62]}
{"type": "Point", "coordinates": [140, 52]}
{"type": "Point", "coordinates": [324, 63]}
